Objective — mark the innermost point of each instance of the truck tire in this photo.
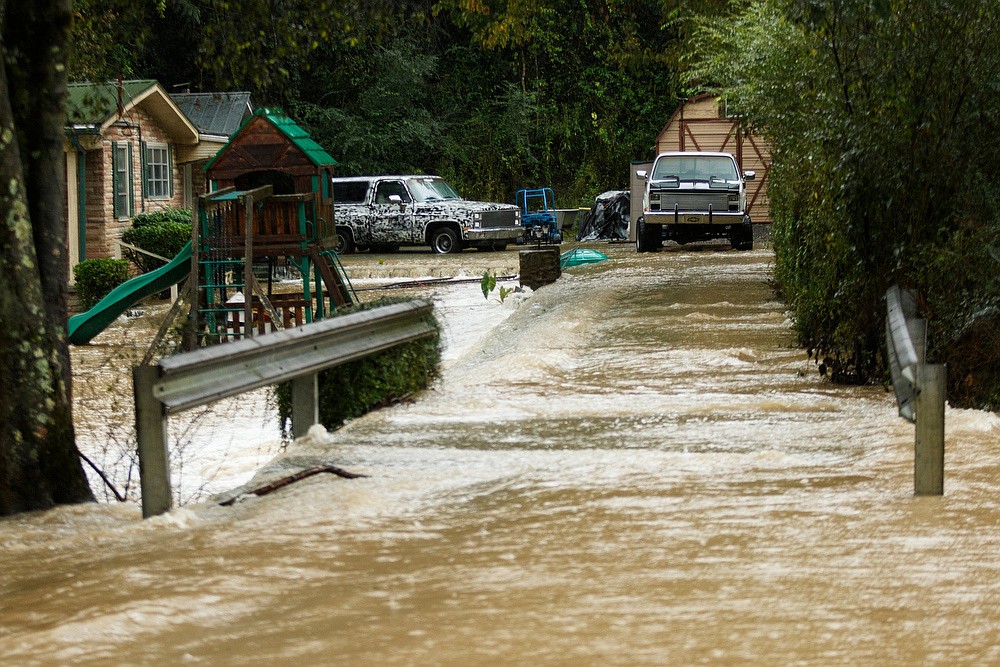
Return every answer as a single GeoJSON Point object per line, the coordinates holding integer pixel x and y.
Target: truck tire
{"type": "Point", "coordinates": [345, 242]}
{"type": "Point", "coordinates": [444, 240]}
{"type": "Point", "coordinates": [742, 237]}
{"type": "Point", "coordinates": [647, 237]}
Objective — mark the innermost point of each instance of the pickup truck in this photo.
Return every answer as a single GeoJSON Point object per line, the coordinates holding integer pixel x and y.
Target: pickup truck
{"type": "Point", "coordinates": [382, 213]}
{"type": "Point", "coordinates": [694, 196]}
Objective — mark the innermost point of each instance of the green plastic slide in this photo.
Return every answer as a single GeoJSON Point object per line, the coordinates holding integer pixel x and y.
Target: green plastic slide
{"type": "Point", "coordinates": [83, 327]}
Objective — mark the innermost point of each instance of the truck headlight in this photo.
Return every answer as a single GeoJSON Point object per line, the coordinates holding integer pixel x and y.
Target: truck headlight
{"type": "Point", "coordinates": [734, 202]}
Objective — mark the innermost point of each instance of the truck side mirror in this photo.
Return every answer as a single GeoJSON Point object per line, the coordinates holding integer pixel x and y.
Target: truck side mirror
{"type": "Point", "coordinates": [749, 175]}
{"type": "Point", "coordinates": [395, 199]}
{"type": "Point", "coordinates": [641, 173]}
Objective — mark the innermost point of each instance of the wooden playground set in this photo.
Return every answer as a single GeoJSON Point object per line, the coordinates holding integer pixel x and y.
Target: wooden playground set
{"type": "Point", "coordinates": [270, 203]}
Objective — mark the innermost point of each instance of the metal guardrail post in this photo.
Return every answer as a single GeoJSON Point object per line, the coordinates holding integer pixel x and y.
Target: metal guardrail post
{"type": "Point", "coordinates": [305, 404]}
{"type": "Point", "coordinates": [920, 389]}
{"type": "Point", "coordinates": [151, 436]}
{"type": "Point", "coordinates": [928, 461]}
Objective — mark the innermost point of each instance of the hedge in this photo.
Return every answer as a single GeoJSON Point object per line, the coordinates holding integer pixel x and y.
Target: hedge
{"type": "Point", "coordinates": [163, 233]}
{"type": "Point", "coordinates": [95, 278]}
{"type": "Point", "coordinates": [353, 389]}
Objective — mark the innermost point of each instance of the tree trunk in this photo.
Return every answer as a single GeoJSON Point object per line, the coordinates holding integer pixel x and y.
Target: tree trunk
{"type": "Point", "coordinates": [39, 463]}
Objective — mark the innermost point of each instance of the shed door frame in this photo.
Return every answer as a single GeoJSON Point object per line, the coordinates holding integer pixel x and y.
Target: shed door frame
{"type": "Point", "coordinates": [739, 140]}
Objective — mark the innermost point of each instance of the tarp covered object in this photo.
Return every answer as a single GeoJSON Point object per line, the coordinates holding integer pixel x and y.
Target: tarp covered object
{"type": "Point", "coordinates": [608, 219]}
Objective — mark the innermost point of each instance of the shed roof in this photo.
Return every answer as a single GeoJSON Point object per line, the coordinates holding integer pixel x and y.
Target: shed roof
{"type": "Point", "coordinates": [316, 154]}
{"type": "Point", "coordinates": [219, 114]}
{"type": "Point", "coordinates": [96, 106]}
{"type": "Point", "coordinates": [310, 150]}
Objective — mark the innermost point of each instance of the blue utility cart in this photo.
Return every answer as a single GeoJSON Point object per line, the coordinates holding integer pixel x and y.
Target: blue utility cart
{"type": "Point", "coordinates": [538, 215]}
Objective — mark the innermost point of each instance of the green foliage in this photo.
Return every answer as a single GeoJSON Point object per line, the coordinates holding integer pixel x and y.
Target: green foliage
{"type": "Point", "coordinates": [353, 389]}
{"type": "Point", "coordinates": [879, 113]}
{"type": "Point", "coordinates": [501, 100]}
{"type": "Point", "coordinates": [163, 233]}
{"type": "Point", "coordinates": [489, 283]}
{"type": "Point", "coordinates": [960, 286]}
{"type": "Point", "coordinates": [95, 278]}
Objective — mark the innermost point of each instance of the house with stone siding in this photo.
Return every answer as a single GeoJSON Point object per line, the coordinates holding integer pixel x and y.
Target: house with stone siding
{"type": "Point", "coordinates": [132, 149]}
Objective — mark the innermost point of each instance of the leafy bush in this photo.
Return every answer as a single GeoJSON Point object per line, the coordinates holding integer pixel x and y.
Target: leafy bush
{"type": "Point", "coordinates": [163, 233]}
{"type": "Point", "coordinates": [353, 389]}
{"type": "Point", "coordinates": [95, 278]}
{"type": "Point", "coordinates": [959, 289]}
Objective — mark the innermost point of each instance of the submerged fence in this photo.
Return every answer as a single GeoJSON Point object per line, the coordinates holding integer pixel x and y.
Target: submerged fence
{"type": "Point", "coordinates": [297, 355]}
{"type": "Point", "coordinates": [919, 386]}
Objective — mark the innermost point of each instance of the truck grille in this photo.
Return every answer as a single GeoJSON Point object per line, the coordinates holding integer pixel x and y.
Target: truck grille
{"type": "Point", "coordinates": [499, 219]}
{"type": "Point", "coordinates": [689, 201]}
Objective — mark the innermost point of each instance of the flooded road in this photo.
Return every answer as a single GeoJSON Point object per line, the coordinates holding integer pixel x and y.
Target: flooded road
{"type": "Point", "coordinates": [634, 467]}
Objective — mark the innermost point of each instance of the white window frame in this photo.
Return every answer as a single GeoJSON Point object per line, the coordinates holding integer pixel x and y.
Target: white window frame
{"type": "Point", "coordinates": [159, 175]}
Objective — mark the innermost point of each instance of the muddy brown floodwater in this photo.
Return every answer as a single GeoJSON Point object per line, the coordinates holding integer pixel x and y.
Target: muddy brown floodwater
{"type": "Point", "coordinates": [634, 467]}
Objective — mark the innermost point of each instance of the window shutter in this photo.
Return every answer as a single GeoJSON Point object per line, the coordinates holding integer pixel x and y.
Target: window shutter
{"type": "Point", "coordinates": [131, 183]}
{"type": "Point", "coordinates": [115, 186]}
{"type": "Point", "coordinates": [142, 169]}
{"type": "Point", "coordinates": [170, 169]}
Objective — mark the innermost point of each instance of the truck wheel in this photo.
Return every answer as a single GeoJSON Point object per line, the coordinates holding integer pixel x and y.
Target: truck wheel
{"type": "Point", "coordinates": [742, 238]}
{"type": "Point", "coordinates": [647, 237]}
{"type": "Point", "coordinates": [345, 242]}
{"type": "Point", "coordinates": [444, 240]}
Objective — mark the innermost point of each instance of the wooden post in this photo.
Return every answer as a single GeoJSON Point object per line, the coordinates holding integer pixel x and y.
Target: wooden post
{"type": "Point", "coordinates": [190, 340]}
{"type": "Point", "coordinates": [248, 201]}
{"type": "Point", "coordinates": [305, 404]}
{"type": "Point", "coordinates": [928, 461]}
{"type": "Point", "coordinates": [151, 436]}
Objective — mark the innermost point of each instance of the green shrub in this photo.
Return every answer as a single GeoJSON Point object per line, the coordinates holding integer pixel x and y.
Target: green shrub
{"type": "Point", "coordinates": [959, 294]}
{"type": "Point", "coordinates": [353, 389]}
{"type": "Point", "coordinates": [95, 278]}
{"type": "Point", "coordinates": [163, 233]}
{"type": "Point", "coordinates": [167, 215]}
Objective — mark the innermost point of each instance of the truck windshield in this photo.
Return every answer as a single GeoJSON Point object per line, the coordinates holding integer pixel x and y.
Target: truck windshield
{"type": "Point", "coordinates": [432, 189]}
{"type": "Point", "coordinates": [695, 168]}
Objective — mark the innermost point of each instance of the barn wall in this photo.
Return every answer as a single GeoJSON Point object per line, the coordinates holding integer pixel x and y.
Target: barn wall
{"type": "Point", "coordinates": [700, 125]}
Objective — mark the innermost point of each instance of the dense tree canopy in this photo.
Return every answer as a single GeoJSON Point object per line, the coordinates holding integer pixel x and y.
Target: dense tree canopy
{"type": "Point", "coordinates": [494, 95]}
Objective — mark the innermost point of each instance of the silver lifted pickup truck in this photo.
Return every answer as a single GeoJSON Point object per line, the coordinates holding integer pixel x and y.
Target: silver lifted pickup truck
{"type": "Point", "coordinates": [385, 212]}
{"type": "Point", "coordinates": [694, 196]}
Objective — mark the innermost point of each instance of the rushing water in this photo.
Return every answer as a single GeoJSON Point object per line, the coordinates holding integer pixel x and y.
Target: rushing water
{"type": "Point", "coordinates": [636, 467]}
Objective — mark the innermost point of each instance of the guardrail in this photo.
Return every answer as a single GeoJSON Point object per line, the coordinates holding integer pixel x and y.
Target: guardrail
{"type": "Point", "coordinates": [919, 387]}
{"type": "Point", "coordinates": [206, 375]}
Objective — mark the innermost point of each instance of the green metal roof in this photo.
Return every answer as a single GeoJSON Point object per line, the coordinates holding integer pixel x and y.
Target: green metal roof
{"type": "Point", "coordinates": [94, 103]}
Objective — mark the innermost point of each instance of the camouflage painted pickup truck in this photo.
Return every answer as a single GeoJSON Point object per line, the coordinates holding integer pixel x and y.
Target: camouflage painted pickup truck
{"type": "Point", "coordinates": [382, 213]}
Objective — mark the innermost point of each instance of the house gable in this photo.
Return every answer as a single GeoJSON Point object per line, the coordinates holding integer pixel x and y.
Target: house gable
{"type": "Point", "coordinates": [92, 109]}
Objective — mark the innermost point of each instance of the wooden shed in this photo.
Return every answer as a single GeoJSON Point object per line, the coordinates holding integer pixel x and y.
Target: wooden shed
{"type": "Point", "coordinates": [701, 124]}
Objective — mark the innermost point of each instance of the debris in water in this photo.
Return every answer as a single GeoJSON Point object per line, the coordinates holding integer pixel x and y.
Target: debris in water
{"type": "Point", "coordinates": [290, 479]}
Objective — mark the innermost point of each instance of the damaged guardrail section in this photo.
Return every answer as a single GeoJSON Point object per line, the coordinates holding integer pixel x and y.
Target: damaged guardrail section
{"type": "Point", "coordinates": [919, 387]}
{"type": "Point", "coordinates": [297, 355]}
